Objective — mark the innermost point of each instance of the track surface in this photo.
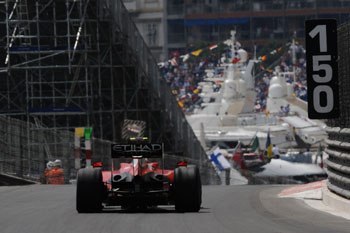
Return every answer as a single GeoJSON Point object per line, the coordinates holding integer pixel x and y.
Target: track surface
{"type": "Point", "coordinates": [45, 208]}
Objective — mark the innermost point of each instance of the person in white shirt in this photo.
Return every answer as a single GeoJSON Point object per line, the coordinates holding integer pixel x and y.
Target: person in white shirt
{"type": "Point", "coordinates": [308, 156]}
{"type": "Point", "coordinates": [281, 111]}
{"type": "Point", "coordinates": [275, 151]}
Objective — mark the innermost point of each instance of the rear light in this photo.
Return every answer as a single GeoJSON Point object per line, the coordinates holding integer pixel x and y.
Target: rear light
{"type": "Point", "coordinates": [182, 164]}
{"type": "Point", "coordinates": [98, 164]}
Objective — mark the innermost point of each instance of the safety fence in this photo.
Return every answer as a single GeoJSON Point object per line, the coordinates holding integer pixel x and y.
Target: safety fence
{"type": "Point", "coordinates": [338, 142]}
{"type": "Point", "coordinates": [25, 153]}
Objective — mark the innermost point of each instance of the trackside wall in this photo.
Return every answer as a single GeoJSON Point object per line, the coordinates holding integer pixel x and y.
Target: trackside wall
{"type": "Point", "coordinates": [338, 142]}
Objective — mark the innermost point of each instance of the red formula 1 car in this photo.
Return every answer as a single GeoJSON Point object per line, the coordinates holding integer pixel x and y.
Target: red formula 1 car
{"type": "Point", "coordinates": [138, 183]}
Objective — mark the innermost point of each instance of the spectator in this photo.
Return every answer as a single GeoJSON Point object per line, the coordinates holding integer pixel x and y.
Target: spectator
{"type": "Point", "coordinates": [287, 109]}
{"type": "Point", "coordinates": [281, 111]}
{"type": "Point", "coordinates": [308, 156]}
{"type": "Point", "coordinates": [275, 151]}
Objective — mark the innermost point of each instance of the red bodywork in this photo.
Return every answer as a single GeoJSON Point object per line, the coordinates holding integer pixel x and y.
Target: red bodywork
{"type": "Point", "coordinates": [136, 168]}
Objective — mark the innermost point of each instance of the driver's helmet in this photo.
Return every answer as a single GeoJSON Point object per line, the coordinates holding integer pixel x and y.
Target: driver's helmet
{"type": "Point", "coordinates": [50, 165]}
{"type": "Point", "coordinates": [58, 163]}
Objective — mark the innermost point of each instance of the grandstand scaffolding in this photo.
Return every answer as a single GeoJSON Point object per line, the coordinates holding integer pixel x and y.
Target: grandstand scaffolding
{"type": "Point", "coordinates": [82, 63]}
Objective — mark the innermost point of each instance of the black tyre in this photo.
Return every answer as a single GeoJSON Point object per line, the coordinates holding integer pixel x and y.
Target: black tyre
{"type": "Point", "coordinates": [188, 189]}
{"type": "Point", "coordinates": [90, 190]}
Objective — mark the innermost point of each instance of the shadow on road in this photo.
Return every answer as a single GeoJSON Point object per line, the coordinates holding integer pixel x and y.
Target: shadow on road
{"type": "Point", "coordinates": [153, 210]}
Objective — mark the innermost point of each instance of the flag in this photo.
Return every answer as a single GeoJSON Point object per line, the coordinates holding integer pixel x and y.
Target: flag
{"type": "Point", "coordinates": [256, 149]}
{"type": "Point", "coordinates": [173, 62]}
{"type": "Point", "coordinates": [255, 145]}
{"type": "Point", "coordinates": [279, 49]}
{"type": "Point", "coordinates": [197, 52]}
{"type": "Point", "coordinates": [213, 46]}
{"type": "Point", "coordinates": [79, 132]}
{"type": "Point", "coordinates": [238, 157]}
{"type": "Point", "coordinates": [319, 154]}
{"type": "Point", "coordinates": [219, 160]}
{"type": "Point", "coordinates": [268, 146]}
{"type": "Point", "coordinates": [87, 133]}
{"type": "Point", "coordinates": [185, 57]}
{"type": "Point", "coordinates": [263, 58]}
{"type": "Point", "coordinates": [262, 67]}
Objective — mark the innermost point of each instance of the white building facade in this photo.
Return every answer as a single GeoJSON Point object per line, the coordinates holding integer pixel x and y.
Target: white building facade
{"type": "Point", "coordinates": [150, 19]}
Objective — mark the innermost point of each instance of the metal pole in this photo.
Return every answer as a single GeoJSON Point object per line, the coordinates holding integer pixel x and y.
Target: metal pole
{"type": "Point", "coordinates": [8, 36]}
{"type": "Point", "coordinates": [39, 50]}
{"type": "Point", "coordinates": [99, 68]}
{"type": "Point", "coordinates": [68, 35]}
{"type": "Point", "coordinates": [54, 24]}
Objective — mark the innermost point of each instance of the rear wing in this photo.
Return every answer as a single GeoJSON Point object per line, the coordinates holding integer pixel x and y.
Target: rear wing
{"type": "Point", "coordinates": [146, 150]}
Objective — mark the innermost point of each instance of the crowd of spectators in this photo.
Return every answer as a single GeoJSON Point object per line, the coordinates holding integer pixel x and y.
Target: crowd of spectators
{"type": "Point", "coordinates": [286, 65]}
{"type": "Point", "coordinates": [183, 78]}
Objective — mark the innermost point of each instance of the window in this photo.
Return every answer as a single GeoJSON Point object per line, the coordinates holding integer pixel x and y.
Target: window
{"type": "Point", "coordinates": [152, 34]}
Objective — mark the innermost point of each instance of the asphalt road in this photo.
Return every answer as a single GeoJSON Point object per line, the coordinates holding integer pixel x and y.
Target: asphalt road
{"type": "Point", "coordinates": [51, 209]}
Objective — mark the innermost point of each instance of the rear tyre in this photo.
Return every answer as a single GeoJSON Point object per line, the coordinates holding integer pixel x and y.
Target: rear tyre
{"type": "Point", "coordinates": [188, 189]}
{"type": "Point", "coordinates": [90, 190]}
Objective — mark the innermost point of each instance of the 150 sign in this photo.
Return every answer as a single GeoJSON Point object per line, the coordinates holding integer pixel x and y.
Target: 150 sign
{"type": "Point", "coordinates": [322, 68]}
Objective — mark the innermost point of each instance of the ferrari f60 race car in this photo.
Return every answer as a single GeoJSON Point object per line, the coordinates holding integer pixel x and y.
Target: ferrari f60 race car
{"type": "Point", "coordinates": [138, 183]}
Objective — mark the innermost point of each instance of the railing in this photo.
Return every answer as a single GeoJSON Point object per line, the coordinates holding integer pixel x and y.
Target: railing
{"type": "Point", "coordinates": [267, 5]}
{"type": "Point", "coordinates": [302, 4]}
{"type": "Point", "coordinates": [200, 9]}
{"type": "Point", "coordinates": [234, 6]}
{"type": "Point", "coordinates": [332, 4]}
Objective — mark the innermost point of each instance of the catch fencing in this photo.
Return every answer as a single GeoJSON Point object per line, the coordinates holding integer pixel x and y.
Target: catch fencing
{"type": "Point", "coordinates": [24, 152]}
{"type": "Point", "coordinates": [338, 142]}
{"type": "Point", "coordinates": [26, 148]}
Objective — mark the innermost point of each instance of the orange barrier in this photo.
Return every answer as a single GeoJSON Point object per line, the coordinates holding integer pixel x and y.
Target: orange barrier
{"type": "Point", "coordinates": [54, 176]}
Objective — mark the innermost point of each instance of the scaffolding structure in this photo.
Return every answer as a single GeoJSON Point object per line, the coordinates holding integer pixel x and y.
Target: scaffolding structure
{"type": "Point", "coordinates": [64, 68]}
{"type": "Point", "coordinates": [82, 63]}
